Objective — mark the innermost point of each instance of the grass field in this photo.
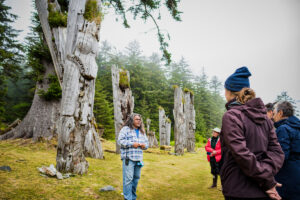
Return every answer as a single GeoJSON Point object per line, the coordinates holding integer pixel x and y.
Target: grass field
{"type": "Point", "coordinates": [163, 176]}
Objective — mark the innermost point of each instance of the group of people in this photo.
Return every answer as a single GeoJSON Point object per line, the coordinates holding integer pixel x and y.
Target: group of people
{"type": "Point", "coordinates": [253, 160]}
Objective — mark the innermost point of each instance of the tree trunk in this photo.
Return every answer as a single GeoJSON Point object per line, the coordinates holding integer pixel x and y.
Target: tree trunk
{"type": "Point", "coordinates": [123, 99]}
{"type": "Point", "coordinates": [164, 128]}
{"type": "Point", "coordinates": [40, 121]}
{"type": "Point", "coordinates": [151, 136]}
{"type": "Point", "coordinates": [73, 51]}
{"type": "Point", "coordinates": [179, 122]}
{"type": "Point", "coordinates": [190, 125]}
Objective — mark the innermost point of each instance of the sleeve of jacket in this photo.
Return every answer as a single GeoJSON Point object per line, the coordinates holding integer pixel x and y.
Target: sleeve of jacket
{"type": "Point", "coordinates": [284, 140]}
{"type": "Point", "coordinates": [208, 147]}
{"type": "Point", "coordinates": [274, 154]}
{"type": "Point", "coordinates": [123, 140]}
{"type": "Point", "coordinates": [234, 139]}
{"type": "Point", "coordinates": [219, 151]}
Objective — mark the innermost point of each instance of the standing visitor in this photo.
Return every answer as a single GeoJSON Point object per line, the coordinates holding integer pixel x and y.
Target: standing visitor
{"type": "Point", "coordinates": [288, 134]}
{"type": "Point", "coordinates": [251, 153]}
{"type": "Point", "coordinates": [269, 107]}
{"type": "Point", "coordinates": [133, 141]}
{"type": "Point", "coordinates": [213, 149]}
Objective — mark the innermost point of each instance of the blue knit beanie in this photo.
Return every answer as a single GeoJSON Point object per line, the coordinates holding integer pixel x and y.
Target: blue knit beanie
{"type": "Point", "coordinates": [238, 80]}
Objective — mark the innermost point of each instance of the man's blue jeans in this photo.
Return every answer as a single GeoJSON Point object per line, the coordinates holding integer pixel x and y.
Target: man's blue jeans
{"type": "Point", "coordinates": [131, 176]}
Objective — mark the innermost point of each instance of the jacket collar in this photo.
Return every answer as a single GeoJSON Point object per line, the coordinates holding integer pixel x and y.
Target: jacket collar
{"type": "Point", "coordinates": [279, 123]}
{"type": "Point", "coordinates": [233, 102]}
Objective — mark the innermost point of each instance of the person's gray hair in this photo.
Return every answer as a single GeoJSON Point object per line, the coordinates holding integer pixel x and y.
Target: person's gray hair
{"type": "Point", "coordinates": [286, 108]}
{"type": "Point", "coordinates": [129, 122]}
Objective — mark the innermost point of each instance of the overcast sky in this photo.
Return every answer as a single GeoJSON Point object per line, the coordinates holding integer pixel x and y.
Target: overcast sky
{"type": "Point", "coordinates": [219, 35]}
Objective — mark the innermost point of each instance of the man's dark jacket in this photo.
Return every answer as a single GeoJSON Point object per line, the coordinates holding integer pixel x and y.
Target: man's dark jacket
{"type": "Point", "coordinates": [250, 151]}
{"type": "Point", "coordinates": [288, 133]}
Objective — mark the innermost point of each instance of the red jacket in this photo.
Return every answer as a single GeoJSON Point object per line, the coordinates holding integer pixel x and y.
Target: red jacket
{"type": "Point", "coordinates": [217, 149]}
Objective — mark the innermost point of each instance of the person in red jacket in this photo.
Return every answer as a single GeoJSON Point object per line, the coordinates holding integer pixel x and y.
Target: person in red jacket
{"type": "Point", "coordinates": [213, 149]}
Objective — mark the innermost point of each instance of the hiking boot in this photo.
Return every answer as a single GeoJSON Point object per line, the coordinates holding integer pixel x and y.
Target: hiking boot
{"type": "Point", "coordinates": [215, 180]}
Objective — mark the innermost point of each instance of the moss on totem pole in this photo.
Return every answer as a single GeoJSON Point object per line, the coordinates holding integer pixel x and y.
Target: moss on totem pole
{"type": "Point", "coordinates": [56, 18]}
{"type": "Point", "coordinates": [92, 12]}
{"type": "Point", "coordinates": [168, 120]}
{"type": "Point", "coordinates": [175, 86]}
{"type": "Point", "coordinates": [123, 82]}
{"type": "Point", "coordinates": [186, 90]}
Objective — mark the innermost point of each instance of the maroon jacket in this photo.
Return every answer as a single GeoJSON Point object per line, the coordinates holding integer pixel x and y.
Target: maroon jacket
{"type": "Point", "coordinates": [251, 153]}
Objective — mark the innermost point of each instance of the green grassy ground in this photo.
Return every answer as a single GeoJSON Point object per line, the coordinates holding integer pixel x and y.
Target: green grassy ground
{"type": "Point", "coordinates": [163, 176]}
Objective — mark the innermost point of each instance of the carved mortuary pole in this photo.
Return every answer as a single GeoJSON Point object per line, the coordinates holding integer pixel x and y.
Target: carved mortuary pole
{"type": "Point", "coordinates": [73, 44]}
{"type": "Point", "coordinates": [151, 135]}
{"type": "Point", "coordinates": [148, 124]}
{"type": "Point", "coordinates": [164, 128]}
{"type": "Point", "coordinates": [190, 124]}
{"type": "Point", "coordinates": [179, 121]}
{"type": "Point", "coordinates": [168, 130]}
{"type": "Point", "coordinates": [123, 99]}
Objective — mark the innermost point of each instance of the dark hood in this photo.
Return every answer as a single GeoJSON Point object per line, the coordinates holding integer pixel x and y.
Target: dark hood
{"type": "Point", "coordinates": [254, 109]}
{"type": "Point", "coordinates": [292, 121]}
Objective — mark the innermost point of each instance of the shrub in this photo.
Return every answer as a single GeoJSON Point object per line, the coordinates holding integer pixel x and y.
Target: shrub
{"type": "Point", "coordinates": [54, 90]}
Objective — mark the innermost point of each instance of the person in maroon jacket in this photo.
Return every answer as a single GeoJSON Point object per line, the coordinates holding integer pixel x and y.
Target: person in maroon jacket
{"type": "Point", "coordinates": [213, 149]}
{"type": "Point", "coordinates": [251, 154]}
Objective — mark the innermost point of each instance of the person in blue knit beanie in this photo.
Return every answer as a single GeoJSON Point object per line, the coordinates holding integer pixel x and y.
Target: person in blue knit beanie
{"type": "Point", "coordinates": [251, 154]}
{"type": "Point", "coordinates": [238, 80]}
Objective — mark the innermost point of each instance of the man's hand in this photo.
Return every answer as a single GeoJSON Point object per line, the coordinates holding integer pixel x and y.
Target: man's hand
{"type": "Point", "coordinates": [135, 145]}
{"type": "Point", "coordinates": [214, 152]}
{"type": "Point", "coordinates": [142, 145]}
{"type": "Point", "coordinates": [272, 193]}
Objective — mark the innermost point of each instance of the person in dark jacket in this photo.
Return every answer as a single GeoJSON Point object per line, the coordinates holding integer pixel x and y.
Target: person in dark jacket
{"type": "Point", "coordinates": [251, 153]}
{"type": "Point", "coordinates": [288, 134]}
